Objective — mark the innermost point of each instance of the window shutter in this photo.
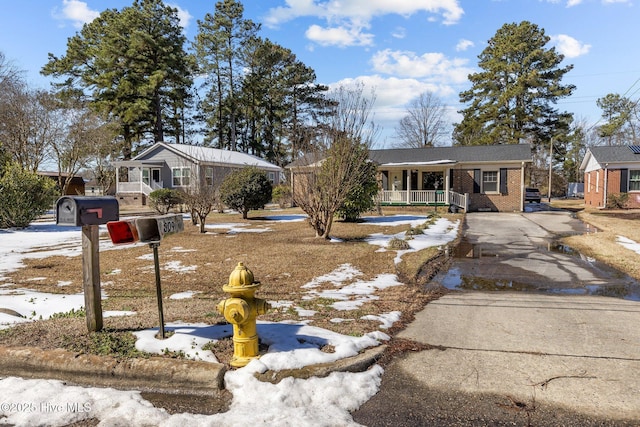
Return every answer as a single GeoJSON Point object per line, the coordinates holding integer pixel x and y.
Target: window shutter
{"type": "Point", "coordinates": [477, 179]}
{"type": "Point", "coordinates": [624, 180]}
{"type": "Point", "coordinates": [503, 181]}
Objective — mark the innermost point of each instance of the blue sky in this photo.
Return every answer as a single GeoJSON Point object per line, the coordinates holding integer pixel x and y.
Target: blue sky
{"type": "Point", "coordinates": [399, 47]}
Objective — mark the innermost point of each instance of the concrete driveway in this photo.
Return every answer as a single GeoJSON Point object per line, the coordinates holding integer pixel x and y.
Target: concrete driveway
{"type": "Point", "coordinates": [512, 251]}
{"type": "Point", "coordinates": [520, 358]}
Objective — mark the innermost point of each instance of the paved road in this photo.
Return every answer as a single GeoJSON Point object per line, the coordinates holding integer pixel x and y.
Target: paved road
{"type": "Point", "coordinates": [517, 358]}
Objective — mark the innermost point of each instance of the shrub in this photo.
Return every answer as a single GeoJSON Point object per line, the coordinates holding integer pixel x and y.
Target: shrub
{"type": "Point", "coordinates": [24, 196]}
{"type": "Point", "coordinates": [246, 189]}
{"type": "Point", "coordinates": [281, 195]}
{"type": "Point", "coordinates": [164, 199]}
{"type": "Point", "coordinates": [361, 198]}
{"type": "Point", "coordinates": [617, 200]}
{"type": "Point", "coordinates": [398, 244]}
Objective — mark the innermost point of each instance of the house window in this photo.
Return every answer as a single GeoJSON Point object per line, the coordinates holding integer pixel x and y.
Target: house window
{"type": "Point", "coordinates": [181, 176]}
{"type": "Point", "coordinates": [145, 176]}
{"type": "Point", "coordinates": [208, 175]}
{"type": "Point", "coordinates": [490, 181]}
{"type": "Point", "coordinates": [272, 177]}
{"type": "Point", "coordinates": [634, 180]}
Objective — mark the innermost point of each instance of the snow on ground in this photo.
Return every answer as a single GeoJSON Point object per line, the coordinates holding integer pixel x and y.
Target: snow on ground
{"type": "Point", "coordinates": [292, 402]}
{"type": "Point", "coordinates": [439, 233]}
{"type": "Point", "coordinates": [629, 244]}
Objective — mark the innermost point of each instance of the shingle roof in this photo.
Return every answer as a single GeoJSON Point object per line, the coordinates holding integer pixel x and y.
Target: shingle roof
{"type": "Point", "coordinates": [613, 154]}
{"type": "Point", "coordinates": [213, 155]}
{"type": "Point", "coordinates": [467, 153]}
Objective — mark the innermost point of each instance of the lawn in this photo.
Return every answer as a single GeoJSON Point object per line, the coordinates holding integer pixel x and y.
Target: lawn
{"type": "Point", "coordinates": [610, 228]}
{"type": "Point", "coordinates": [305, 279]}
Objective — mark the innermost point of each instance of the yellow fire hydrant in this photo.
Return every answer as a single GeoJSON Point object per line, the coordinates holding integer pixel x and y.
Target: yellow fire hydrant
{"type": "Point", "coordinates": [241, 310]}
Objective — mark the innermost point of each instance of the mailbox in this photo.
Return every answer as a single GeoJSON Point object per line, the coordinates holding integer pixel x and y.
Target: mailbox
{"type": "Point", "coordinates": [153, 229]}
{"type": "Point", "coordinates": [122, 232]}
{"type": "Point", "coordinates": [83, 210]}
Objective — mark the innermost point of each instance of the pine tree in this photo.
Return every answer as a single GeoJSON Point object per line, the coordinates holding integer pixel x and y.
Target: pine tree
{"type": "Point", "coordinates": [513, 98]}
{"type": "Point", "coordinates": [130, 64]}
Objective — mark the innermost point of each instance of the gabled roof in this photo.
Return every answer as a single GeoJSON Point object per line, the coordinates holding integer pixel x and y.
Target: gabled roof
{"type": "Point", "coordinates": [452, 155]}
{"type": "Point", "coordinates": [197, 154]}
{"type": "Point", "coordinates": [616, 154]}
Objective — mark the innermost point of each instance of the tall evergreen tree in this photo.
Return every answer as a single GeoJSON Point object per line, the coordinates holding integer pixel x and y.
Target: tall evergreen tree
{"type": "Point", "coordinates": [132, 65]}
{"type": "Point", "coordinates": [513, 98]}
{"type": "Point", "coordinates": [617, 111]}
{"type": "Point", "coordinates": [220, 47]}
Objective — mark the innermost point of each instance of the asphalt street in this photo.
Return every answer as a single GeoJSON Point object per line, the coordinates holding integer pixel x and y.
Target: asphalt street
{"type": "Point", "coordinates": [538, 349]}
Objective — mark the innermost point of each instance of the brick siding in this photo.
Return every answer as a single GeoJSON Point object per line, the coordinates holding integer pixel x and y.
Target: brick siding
{"type": "Point", "coordinates": [510, 202]}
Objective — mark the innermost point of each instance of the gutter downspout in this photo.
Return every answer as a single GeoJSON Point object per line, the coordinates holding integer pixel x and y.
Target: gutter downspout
{"type": "Point", "coordinates": [604, 193]}
{"type": "Point", "coordinates": [522, 187]}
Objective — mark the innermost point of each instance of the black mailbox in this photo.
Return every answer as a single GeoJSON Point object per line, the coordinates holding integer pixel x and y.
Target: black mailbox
{"type": "Point", "coordinates": [83, 210]}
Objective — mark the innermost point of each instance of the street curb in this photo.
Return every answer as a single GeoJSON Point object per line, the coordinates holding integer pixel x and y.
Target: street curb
{"type": "Point", "coordinates": [148, 374]}
{"type": "Point", "coordinates": [153, 374]}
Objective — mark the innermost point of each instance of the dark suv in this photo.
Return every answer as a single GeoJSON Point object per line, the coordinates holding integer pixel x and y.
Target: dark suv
{"type": "Point", "coordinates": [532, 195]}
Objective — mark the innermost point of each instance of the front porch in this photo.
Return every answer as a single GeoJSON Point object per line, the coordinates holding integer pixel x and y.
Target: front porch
{"type": "Point", "coordinates": [423, 198]}
{"type": "Point", "coordinates": [139, 178]}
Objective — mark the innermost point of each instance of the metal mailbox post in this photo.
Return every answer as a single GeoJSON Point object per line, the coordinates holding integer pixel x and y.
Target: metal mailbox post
{"type": "Point", "coordinates": [89, 213]}
{"type": "Point", "coordinates": [151, 230]}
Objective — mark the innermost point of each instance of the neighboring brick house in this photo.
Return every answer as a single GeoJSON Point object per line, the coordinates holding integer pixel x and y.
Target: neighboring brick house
{"type": "Point", "coordinates": [610, 171]}
{"type": "Point", "coordinates": [475, 178]}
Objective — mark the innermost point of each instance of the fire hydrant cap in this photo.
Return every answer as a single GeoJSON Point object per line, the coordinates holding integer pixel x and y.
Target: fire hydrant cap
{"type": "Point", "coordinates": [241, 278]}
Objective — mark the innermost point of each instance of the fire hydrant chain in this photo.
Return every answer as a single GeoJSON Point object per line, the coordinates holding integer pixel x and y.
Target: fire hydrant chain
{"type": "Point", "coordinates": [241, 310]}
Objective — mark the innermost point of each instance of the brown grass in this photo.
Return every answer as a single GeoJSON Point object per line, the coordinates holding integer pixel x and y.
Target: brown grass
{"type": "Point", "coordinates": [601, 244]}
{"type": "Point", "coordinates": [282, 259]}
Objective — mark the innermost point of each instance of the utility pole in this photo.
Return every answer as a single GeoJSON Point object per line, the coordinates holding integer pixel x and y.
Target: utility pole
{"type": "Point", "coordinates": [550, 166]}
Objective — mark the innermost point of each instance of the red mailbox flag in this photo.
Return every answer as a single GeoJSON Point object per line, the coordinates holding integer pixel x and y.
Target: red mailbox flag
{"type": "Point", "coordinates": [122, 232]}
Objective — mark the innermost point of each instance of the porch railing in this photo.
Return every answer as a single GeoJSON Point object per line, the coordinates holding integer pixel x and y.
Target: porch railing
{"type": "Point", "coordinates": [423, 197]}
{"type": "Point", "coordinates": [138, 187]}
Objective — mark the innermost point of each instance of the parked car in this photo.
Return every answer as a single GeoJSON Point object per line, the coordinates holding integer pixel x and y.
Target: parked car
{"type": "Point", "coordinates": [532, 195]}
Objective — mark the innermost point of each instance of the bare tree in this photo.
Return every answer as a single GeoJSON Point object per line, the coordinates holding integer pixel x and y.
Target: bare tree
{"type": "Point", "coordinates": [27, 124]}
{"type": "Point", "coordinates": [204, 195]}
{"type": "Point", "coordinates": [424, 124]}
{"type": "Point", "coordinates": [339, 163]}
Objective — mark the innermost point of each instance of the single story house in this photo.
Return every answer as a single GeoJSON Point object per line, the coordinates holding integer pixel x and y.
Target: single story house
{"type": "Point", "coordinates": [611, 170]}
{"type": "Point", "coordinates": [473, 178]}
{"type": "Point", "coordinates": [181, 167]}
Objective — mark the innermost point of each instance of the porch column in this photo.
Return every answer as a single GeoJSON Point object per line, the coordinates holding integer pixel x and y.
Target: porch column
{"type": "Point", "coordinates": [408, 186]}
{"type": "Point", "coordinates": [447, 185]}
{"type": "Point", "coordinates": [117, 179]}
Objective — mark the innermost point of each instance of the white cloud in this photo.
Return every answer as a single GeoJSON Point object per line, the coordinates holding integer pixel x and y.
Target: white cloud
{"type": "Point", "coordinates": [351, 16]}
{"type": "Point", "coordinates": [434, 66]}
{"type": "Point", "coordinates": [570, 47]}
{"type": "Point", "coordinates": [464, 44]}
{"type": "Point", "coordinates": [183, 15]}
{"type": "Point", "coordinates": [76, 11]}
{"type": "Point", "coordinates": [399, 33]}
{"type": "Point", "coordinates": [339, 36]}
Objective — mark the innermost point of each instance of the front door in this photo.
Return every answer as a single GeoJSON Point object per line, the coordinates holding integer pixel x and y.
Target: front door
{"type": "Point", "coordinates": [155, 175]}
